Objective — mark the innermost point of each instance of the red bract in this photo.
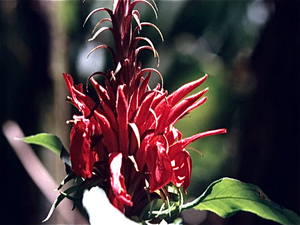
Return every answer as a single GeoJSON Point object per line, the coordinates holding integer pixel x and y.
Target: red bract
{"type": "Point", "coordinates": [117, 181]}
{"type": "Point", "coordinates": [81, 156]}
{"type": "Point", "coordinates": [130, 127]}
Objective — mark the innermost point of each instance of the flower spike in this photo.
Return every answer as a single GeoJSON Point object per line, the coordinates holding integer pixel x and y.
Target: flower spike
{"type": "Point", "coordinates": [97, 10]}
{"type": "Point", "coordinates": [125, 141]}
{"type": "Point", "coordinates": [99, 23]}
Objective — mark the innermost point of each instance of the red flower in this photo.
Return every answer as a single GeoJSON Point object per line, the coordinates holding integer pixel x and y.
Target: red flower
{"type": "Point", "coordinates": [118, 193]}
{"type": "Point", "coordinates": [81, 156]}
{"type": "Point", "coordinates": [130, 127]}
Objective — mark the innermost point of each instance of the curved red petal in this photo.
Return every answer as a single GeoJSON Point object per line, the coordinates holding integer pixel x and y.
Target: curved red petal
{"type": "Point", "coordinates": [81, 156]}
{"type": "Point", "coordinates": [182, 167]}
{"type": "Point", "coordinates": [159, 166]}
{"type": "Point", "coordinates": [122, 114]}
{"type": "Point", "coordinates": [109, 137]}
{"type": "Point", "coordinates": [181, 144]}
{"type": "Point", "coordinates": [184, 90]}
{"type": "Point", "coordinates": [117, 180]}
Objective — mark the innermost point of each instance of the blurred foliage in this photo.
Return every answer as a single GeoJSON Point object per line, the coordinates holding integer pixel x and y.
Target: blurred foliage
{"type": "Point", "coordinates": [208, 37]}
{"type": "Point", "coordinates": [214, 37]}
{"type": "Point", "coordinates": [201, 37]}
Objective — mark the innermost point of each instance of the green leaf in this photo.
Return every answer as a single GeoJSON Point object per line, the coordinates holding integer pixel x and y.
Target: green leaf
{"type": "Point", "coordinates": [49, 141]}
{"type": "Point", "coordinates": [61, 197]}
{"type": "Point", "coordinates": [227, 196]}
{"type": "Point", "coordinates": [69, 177]}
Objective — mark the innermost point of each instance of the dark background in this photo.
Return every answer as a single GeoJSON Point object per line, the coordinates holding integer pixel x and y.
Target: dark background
{"type": "Point", "coordinates": [256, 92]}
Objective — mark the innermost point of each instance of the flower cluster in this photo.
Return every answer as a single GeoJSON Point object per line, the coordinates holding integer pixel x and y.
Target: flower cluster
{"type": "Point", "coordinates": [126, 139]}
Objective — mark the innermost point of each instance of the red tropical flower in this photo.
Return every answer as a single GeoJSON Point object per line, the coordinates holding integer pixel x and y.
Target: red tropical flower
{"type": "Point", "coordinates": [130, 127]}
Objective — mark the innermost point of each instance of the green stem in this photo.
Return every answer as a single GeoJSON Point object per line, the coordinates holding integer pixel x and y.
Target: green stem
{"type": "Point", "coordinates": [198, 200]}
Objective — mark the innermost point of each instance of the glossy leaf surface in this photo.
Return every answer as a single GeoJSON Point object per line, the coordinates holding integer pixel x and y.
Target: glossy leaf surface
{"type": "Point", "coordinates": [227, 196]}
{"type": "Point", "coordinates": [49, 141]}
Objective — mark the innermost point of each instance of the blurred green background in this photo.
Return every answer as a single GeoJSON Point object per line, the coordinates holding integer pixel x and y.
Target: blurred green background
{"type": "Point", "coordinates": [250, 49]}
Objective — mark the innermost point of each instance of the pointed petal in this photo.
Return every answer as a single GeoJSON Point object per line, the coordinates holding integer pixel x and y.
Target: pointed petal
{"type": "Point", "coordinates": [101, 91]}
{"type": "Point", "coordinates": [147, 24]}
{"type": "Point", "coordinates": [100, 22]}
{"type": "Point", "coordinates": [110, 90]}
{"type": "Point", "coordinates": [172, 135]}
{"type": "Point", "coordinates": [109, 114]}
{"type": "Point", "coordinates": [159, 98]}
{"type": "Point", "coordinates": [195, 105]}
{"type": "Point", "coordinates": [162, 120]}
{"type": "Point", "coordinates": [184, 90]}
{"type": "Point", "coordinates": [69, 81]}
{"type": "Point", "coordinates": [117, 180]}
{"type": "Point", "coordinates": [181, 144]}
{"type": "Point", "coordinates": [81, 156]}
{"type": "Point", "coordinates": [182, 108]}
{"type": "Point", "coordinates": [137, 39]}
{"type": "Point", "coordinates": [143, 110]}
{"type": "Point", "coordinates": [145, 70]}
{"type": "Point", "coordinates": [133, 105]}
{"type": "Point", "coordinates": [97, 10]}
{"type": "Point", "coordinates": [100, 31]}
{"type": "Point", "coordinates": [104, 99]}
{"type": "Point", "coordinates": [122, 113]}
{"type": "Point", "coordinates": [135, 138]}
{"type": "Point", "coordinates": [182, 169]}
{"type": "Point", "coordinates": [83, 102]}
{"type": "Point", "coordinates": [109, 137]}
{"type": "Point", "coordinates": [133, 3]}
{"type": "Point", "coordinates": [159, 166]}
{"type": "Point", "coordinates": [139, 49]}
{"type": "Point", "coordinates": [126, 33]}
{"type": "Point", "coordinates": [136, 16]}
{"type": "Point", "coordinates": [144, 86]}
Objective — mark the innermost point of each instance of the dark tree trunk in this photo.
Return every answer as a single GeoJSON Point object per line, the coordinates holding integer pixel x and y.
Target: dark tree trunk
{"type": "Point", "coordinates": [270, 143]}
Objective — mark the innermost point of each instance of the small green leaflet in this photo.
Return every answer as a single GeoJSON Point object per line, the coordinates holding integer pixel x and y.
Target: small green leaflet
{"type": "Point", "coordinates": [61, 197]}
{"type": "Point", "coordinates": [49, 141]}
{"type": "Point", "coordinates": [227, 196]}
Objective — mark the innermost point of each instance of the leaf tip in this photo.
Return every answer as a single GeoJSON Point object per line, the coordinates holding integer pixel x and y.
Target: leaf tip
{"type": "Point", "coordinates": [18, 139]}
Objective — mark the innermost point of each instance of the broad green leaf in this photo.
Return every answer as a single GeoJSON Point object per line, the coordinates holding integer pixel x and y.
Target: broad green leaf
{"type": "Point", "coordinates": [227, 196]}
{"type": "Point", "coordinates": [49, 141]}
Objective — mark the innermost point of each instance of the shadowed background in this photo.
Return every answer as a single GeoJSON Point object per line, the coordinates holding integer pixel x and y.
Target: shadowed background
{"type": "Point", "coordinates": [250, 49]}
